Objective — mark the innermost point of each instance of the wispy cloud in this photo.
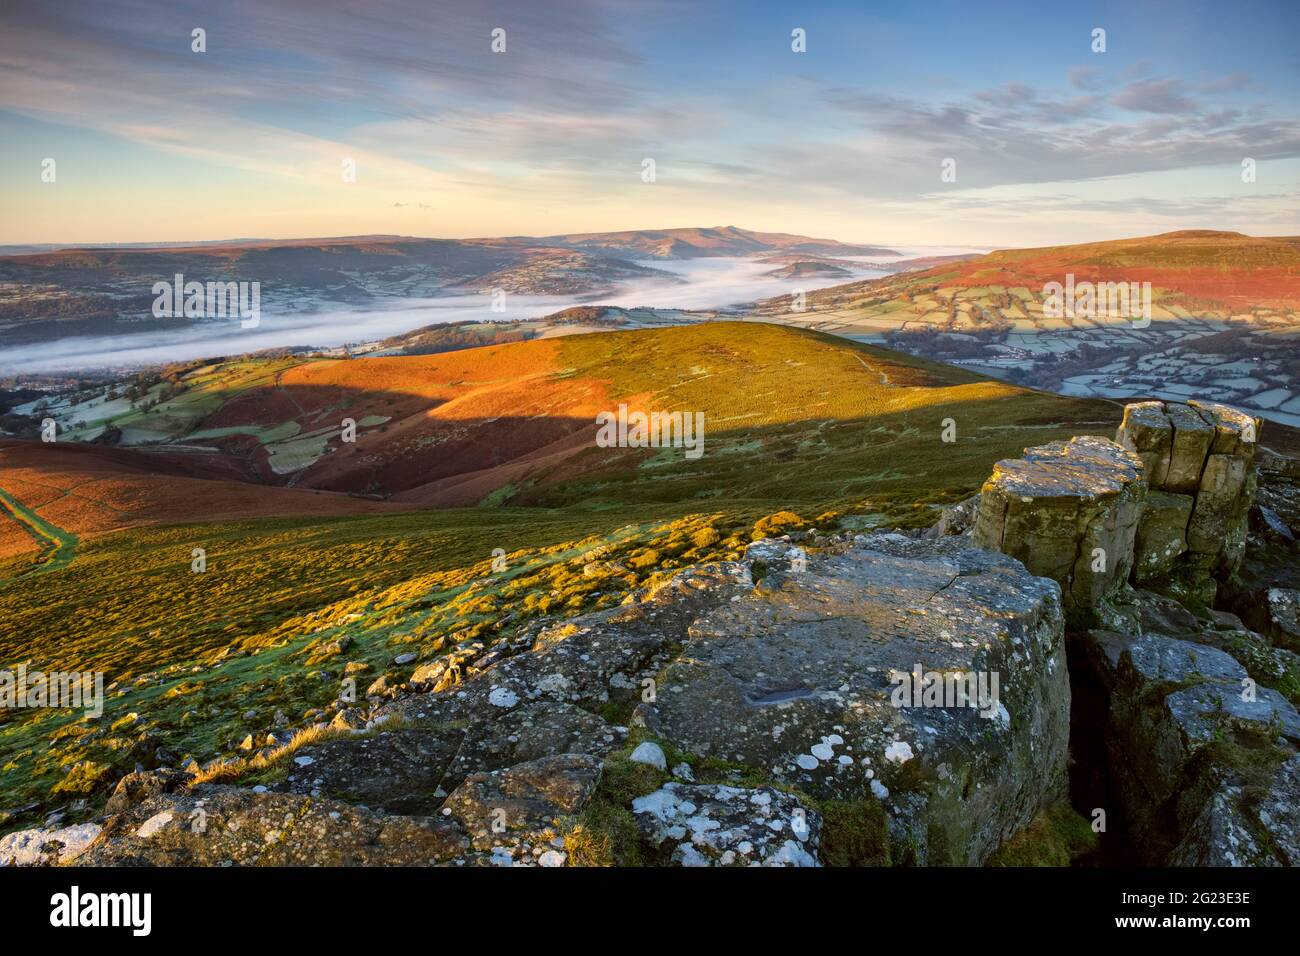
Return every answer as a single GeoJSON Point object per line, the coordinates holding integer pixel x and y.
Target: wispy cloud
{"type": "Point", "coordinates": [740, 128]}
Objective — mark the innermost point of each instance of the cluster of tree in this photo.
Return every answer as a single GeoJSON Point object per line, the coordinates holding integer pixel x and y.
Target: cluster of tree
{"type": "Point", "coordinates": [454, 337]}
{"type": "Point", "coordinates": [934, 342]}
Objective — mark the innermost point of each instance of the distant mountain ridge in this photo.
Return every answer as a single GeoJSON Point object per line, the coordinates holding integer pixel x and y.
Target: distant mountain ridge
{"type": "Point", "coordinates": [88, 291]}
{"type": "Point", "coordinates": [695, 242]}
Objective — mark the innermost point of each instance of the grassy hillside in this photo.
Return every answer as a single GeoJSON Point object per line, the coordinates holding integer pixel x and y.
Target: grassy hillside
{"type": "Point", "coordinates": [1224, 316]}
{"type": "Point", "coordinates": [516, 422]}
{"type": "Point", "coordinates": [811, 429]}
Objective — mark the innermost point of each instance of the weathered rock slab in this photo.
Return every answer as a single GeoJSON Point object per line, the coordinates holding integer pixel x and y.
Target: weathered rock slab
{"type": "Point", "coordinates": [506, 812]}
{"type": "Point", "coordinates": [398, 771]}
{"type": "Point", "coordinates": [801, 678]}
{"type": "Point", "coordinates": [222, 826]}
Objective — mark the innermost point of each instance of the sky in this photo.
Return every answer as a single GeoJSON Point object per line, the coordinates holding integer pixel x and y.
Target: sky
{"type": "Point", "coordinates": [1050, 141]}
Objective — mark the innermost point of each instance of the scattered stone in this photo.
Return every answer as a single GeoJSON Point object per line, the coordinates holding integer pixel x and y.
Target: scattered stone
{"type": "Point", "coordinates": [710, 825]}
{"type": "Point", "coordinates": [46, 847]}
{"type": "Point", "coordinates": [221, 826]}
{"type": "Point", "coordinates": [650, 753]}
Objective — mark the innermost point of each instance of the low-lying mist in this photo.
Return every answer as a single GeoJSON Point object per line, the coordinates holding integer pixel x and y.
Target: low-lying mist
{"type": "Point", "coordinates": [705, 284]}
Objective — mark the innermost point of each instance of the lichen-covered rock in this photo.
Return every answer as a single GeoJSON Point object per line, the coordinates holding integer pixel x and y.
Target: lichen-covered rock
{"type": "Point", "coordinates": [801, 678]}
{"type": "Point", "coordinates": [587, 661]}
{"type": "Point", "coordinates": [1176, 713]}
{"type": "Point", "coordinates": [531, 732]}
{"type": "Point", "coordinates": [1161, 534]}
{"type": "Point", "coordinates": [1221, 834]}
{"type": "Point", "coordinates": [1206, 451]}
{"type": "Point", "coordinates": [222, 826]}
{"type": "Point", "coordinates": [47, 847]}
{"type": "Point", "coordinates": [1278, 811]}
{"type": "Point", "coordinates": [729, 826]}
{"type": "Point", "coordinates": [1282, 606]}
{"type": "Point", "coordinates": [508, 813]}
{"type": "Point", "coordinates": [1192, 438]}
{"type": "Point", "coordinates": [143, 784]}
{"type": "Point", "coordinates": [1068, 511]}
{"type": "Point", "coordinates": [394, 770]}
{"type": "Point", "coordinates": [958, 519]}
{"type": "Point", "coordinates": [1218, 508]}
{"type": "Point", "coordinates": [1146, 431]}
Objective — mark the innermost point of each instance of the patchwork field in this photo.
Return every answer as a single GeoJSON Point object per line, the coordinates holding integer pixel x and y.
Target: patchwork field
{"type": "Point", "coordinates": [1224, 318]}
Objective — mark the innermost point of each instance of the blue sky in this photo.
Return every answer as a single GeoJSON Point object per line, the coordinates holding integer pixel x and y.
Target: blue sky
{"type": "Point", "coordinates": [1052, 142]}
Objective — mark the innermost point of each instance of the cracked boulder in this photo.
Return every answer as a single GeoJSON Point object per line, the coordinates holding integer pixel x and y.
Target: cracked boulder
{"type": "Point", "coordinates": [1069, 511]}
{"type": "Point", "coordinates": [397, 771]}
{"type": "Point", "coordinates": [803, 677]}
{"type": "Point", "coordinates": [1190, 741]}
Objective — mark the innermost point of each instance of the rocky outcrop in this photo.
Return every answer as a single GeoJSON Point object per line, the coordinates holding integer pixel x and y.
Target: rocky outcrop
{"type": "Point", "coordinates": [738, 713]}
{"type": "Point", "coordinates": [1190, 737]}
{"type": "Point", "coordinates": [1167, 504]}
{"type": "Point", "coordinates": [800, 678]}
{"type": "Point", "coordinates": [1068, 511]}
{"type": "Point", "coordinates": [1198, 462]}
{"type": "Point", "coordinates": [1197, 707]}
{"type": "Point", "coordinates": [787, 665]}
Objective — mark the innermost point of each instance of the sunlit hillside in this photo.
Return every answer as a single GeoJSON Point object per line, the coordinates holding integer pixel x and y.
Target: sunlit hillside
{"type": "Point", "coordinates": [814, 429]}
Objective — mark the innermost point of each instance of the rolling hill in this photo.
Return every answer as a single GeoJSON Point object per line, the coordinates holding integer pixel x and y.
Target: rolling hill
{"type": "Point", "coordinates": [517, 422]}
{"type": "Point", "coordinates": [803, 430]}
{"type": "Point", "coordinates": [1224, 322]}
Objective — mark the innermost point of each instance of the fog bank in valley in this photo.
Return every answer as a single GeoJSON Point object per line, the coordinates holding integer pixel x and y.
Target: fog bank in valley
{"type": "Point", "coordinates": [704, 284]}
